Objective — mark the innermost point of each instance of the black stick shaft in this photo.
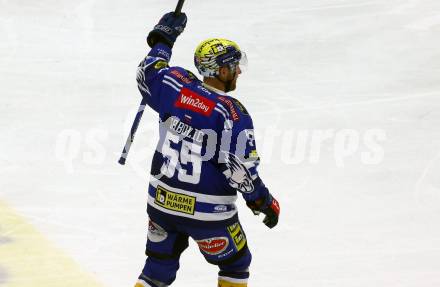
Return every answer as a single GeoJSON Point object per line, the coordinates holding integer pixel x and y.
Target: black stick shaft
{"type": "Point", "coordinates": [179, 7]}
{"type": "Point", "coordinates": [140, 112]}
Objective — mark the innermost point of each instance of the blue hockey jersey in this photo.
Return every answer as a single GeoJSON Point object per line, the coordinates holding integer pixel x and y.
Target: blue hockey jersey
{"type": "Point", "coordinates": [206, 151]}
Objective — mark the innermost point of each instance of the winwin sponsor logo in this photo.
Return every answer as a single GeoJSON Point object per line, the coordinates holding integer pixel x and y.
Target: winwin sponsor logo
{"type": "Point", "coordinates": [194, 102]}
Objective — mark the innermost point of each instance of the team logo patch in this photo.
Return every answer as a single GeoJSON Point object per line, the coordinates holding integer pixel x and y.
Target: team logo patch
{"type": "Point", "coordinates": [213, 246]}
{"type": "Point", "coordinates": [237, 174]}
{"type": "Point", "coordinates": [156, 233]}
{"type": "Point", "coordinates": [220, 208]}
{"type": "Point", "coordinates": [175, 201]}
{"type": "Point", "coordinates": [237, 235]}
{"type": "Point", "coordinates": [194, 102]}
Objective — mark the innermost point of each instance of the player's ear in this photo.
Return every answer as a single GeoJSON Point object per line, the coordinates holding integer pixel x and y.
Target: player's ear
{"type": "Point", "coordinates": [223, 72]}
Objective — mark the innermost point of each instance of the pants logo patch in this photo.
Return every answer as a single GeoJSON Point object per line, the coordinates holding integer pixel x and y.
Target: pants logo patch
{"type": "Point", "coordinates": [175, 201]}
{"type": "Point", "coordinates": [213, 246]}
{"type": "Point", "coordinates": [237, 235]}
{"type": "Point", "coordinates": [156, 233]}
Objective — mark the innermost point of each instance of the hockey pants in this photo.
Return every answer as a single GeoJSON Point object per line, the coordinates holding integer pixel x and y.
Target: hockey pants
{"type": "Point", "coordinates": [225, 246]}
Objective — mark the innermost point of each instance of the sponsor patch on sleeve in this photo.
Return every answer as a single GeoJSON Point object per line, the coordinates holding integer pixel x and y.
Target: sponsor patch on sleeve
{"type": "Point", "coordinates": [160, 65]}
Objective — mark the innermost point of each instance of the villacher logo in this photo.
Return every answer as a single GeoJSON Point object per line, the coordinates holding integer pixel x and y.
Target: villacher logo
{"type": "Point", "coordinates": [213, 246]}
{"type": "Point", "coordinates": [194, 102]}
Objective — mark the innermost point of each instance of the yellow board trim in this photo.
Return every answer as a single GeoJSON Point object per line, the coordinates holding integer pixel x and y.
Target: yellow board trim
{"type": "Point", "coordinates": [27, 258]}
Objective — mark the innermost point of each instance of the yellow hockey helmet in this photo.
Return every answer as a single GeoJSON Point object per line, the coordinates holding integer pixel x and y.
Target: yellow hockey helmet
{"type": "Point", "coordinates": [214, 53]}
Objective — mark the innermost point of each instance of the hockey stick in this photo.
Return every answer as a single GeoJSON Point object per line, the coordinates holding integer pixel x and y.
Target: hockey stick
{"type": "Point", "coordinates": [141, 109]}
{"type": "Point", "coordinates": [179, 7]}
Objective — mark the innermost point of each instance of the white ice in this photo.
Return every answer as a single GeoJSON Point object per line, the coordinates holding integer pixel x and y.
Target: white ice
{"type": "Point", "coordinates": [342, 68]}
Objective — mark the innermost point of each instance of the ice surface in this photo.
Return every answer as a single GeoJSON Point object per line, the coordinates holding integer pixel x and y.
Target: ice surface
{"type": "Point", "coordinates": [345, 69]}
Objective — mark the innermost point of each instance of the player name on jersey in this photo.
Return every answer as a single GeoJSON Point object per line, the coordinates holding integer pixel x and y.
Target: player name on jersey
{"type": "Point", "coordinates": [185, 130]}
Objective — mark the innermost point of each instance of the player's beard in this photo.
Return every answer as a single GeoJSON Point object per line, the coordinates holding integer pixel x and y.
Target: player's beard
{"type": "Point", "coordinates": [232, 83]}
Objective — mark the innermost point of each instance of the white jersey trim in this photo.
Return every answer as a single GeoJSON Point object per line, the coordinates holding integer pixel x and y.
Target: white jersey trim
{"type": "Point", "coordinates": [220, 92]}
{"type": "Point", "coordinates": [228, 123]}
{"type": "Point", "coordinates": [174, 81]}
{"type": "Point", "coordinates": [171, 85]}
{"type": "Point", "coordinates": [224, 110]}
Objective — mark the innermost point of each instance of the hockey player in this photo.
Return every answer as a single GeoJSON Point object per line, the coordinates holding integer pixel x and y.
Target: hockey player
{"type": "Point", "coordinates": [206, 153]}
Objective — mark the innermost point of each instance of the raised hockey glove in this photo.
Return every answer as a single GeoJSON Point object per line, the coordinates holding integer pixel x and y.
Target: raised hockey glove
{"type": "Point", "coordinates": [269, 206]}
{"type": "Point", "coordinates": [170, 26]}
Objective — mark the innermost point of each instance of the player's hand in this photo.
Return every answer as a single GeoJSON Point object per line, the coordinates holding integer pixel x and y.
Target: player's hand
{"type": "Point", "coordinates": [269, 206]}
{"type": "Point", "coordinates": [167, 30]}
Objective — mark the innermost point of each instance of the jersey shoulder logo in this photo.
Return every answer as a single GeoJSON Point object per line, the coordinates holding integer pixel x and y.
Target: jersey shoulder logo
{"type": "Point", "coordinates": [192, 101]}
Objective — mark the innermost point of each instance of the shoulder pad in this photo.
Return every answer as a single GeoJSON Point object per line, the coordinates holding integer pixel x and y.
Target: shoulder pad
{"type": "Point", "coordinates": [240, 106]}
{"type": "Point", "coordinates": [192, 76]}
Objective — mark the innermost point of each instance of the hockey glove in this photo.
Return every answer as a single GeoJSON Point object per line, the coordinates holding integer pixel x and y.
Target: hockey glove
{"type": "Point", "coordinates": [167, 30]}
{"type": "Point", "coordinates": [269, 206]}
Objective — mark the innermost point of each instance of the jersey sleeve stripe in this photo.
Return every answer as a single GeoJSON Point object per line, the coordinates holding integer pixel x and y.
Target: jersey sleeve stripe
{"type": "Point", "coordinates": [224, 110]}
{"type": "Point", "coordinates": [144, 88]}
{"type": "Point", "coordinates": [221, 112]}
{"type": "Point", "coordinates": [173, 81]}
{"type": "Point", "coordinates": [171, 85]}
{"type": "Point", "coordinates": [228, 123]}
